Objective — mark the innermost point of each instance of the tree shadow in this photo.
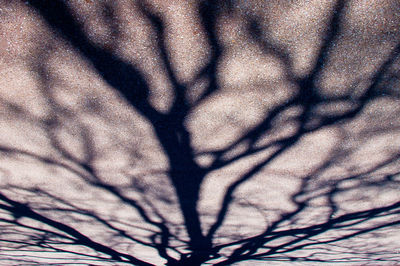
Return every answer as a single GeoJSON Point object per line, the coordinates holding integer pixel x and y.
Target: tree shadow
{"type": "Point", "coordinates": [160, 210]}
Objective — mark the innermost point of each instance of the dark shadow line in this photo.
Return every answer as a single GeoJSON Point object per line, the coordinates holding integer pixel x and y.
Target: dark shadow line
{"type": "Point", "coordinates": [115, 71]}
{"type": "Point", "coordinates": [23, 210]}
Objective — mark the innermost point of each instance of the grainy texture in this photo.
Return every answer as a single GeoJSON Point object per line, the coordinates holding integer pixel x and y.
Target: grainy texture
{"type": "Point", "coordinates": [192, 132]}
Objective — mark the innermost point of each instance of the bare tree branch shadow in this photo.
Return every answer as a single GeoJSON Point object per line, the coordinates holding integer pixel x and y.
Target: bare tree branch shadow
{"type": "Point", "coordinates": [190, 241]}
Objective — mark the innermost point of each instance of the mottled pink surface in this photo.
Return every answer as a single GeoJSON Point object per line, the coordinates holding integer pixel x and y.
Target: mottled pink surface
{"type": "Point", "coordinates": [64, 128]}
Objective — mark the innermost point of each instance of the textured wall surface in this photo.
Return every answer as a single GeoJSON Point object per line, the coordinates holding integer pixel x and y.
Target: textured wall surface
{"type": "Point", "coordinates": [194, 132]}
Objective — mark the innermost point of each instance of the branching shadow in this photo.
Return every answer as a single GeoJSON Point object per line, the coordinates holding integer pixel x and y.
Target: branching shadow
{"type": "Point", "coordinates": [159, 212]}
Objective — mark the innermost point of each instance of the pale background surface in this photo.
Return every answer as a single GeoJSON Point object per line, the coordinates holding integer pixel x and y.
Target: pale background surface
{"type": "Point", "coordinates": [58, 115]}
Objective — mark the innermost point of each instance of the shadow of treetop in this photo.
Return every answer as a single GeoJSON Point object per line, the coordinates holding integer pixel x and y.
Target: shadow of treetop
{"type": "Point", "coordinates": [200, 132]}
